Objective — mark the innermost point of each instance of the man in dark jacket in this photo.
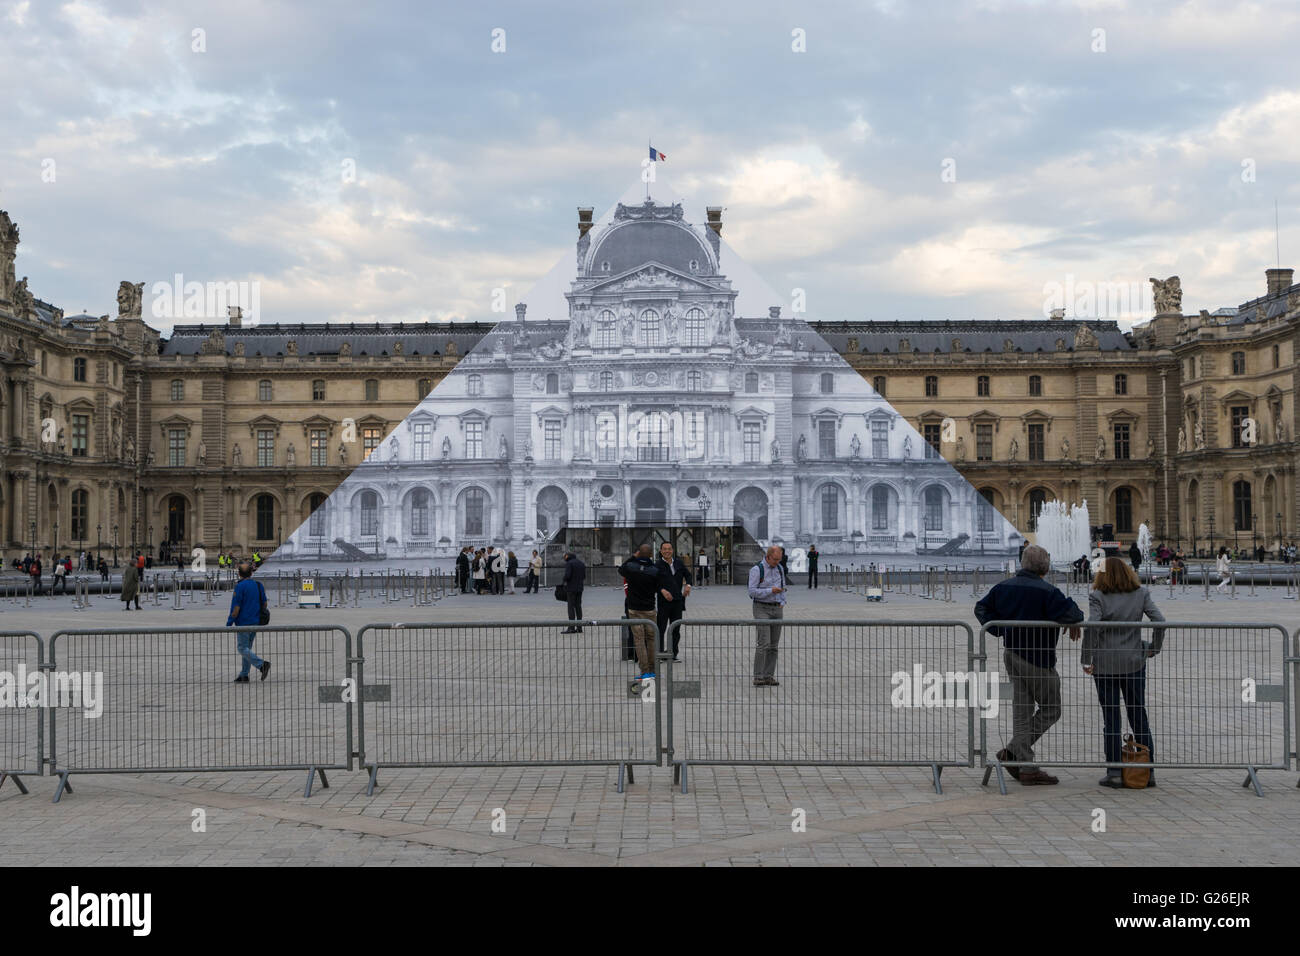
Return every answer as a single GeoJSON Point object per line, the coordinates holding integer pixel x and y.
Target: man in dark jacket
{"type": "Point", "coordinates": [462, 570]}
{"type": "Point", "coordinates": [813, 555]}
{"type": "Point", "coordinates": [1030, 656]}
{"type": "Point", "coordinates": [674, 587]}
{"type": "Point", "coordinates": [642, 577]}
{"type": "Point", "coordinates": [575, 579]}
{"type": "Point", "coordinates": [1135, 555]}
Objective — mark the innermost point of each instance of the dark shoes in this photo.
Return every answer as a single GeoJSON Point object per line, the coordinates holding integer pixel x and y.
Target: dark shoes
{"type": "Point", "coordinates": [265, 669]}
{"type": "Point", "coordinates": [1004, 755]}
{"type": "Point", "coordinates": [766, 682]}
{"type": "Point", "coordinates": [1030, 778]}
{"type": "Point", "coordinates": [1114, 781]}
{"type": "Point", "coordinates": [241, 679]}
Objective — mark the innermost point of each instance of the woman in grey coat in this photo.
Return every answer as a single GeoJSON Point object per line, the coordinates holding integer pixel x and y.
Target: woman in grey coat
{"type": "Point", "coordinates": [1116, 658]}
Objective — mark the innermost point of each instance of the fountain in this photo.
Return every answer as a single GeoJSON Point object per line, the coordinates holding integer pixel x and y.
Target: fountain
{"type": "Point", "coordinates": [1064, 530]}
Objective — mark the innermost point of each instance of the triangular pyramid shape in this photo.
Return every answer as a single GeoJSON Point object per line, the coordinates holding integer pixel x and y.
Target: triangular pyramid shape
{"type": "Point", "coordinates": [642, 385]}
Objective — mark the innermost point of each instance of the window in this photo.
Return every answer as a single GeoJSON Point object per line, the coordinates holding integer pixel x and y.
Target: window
{"type": "Point", "coordinates": [551, 439]}
{"type": "Point", "coordinates": [932, 435]}
{"type": "Point", "coordinates": [981, 386]}
{"type": "Point", "coordinates": [264, 390]}
{"type": "Point", "coordinates": [369, 514]}
{"type": "Point", "coordinates": [475, 508]}
{"type": "Point", "coordinates": [1035, 385]}
{"type": "Point", "coordinates": [879, 508]}
{"type": "Point", "coordinates": [318, 390]}
{"type": "Point", "coordinates": [45, 365]}
{"type": "Point", "coordinates": [1121, 384]}
{"type": "Point", "coordinates": [830, 508]}
{"type": "Point", "coordinates": [650, 327]}
{"type": "Point", "coordinates": [931, 386]}
{"type": "Point", "coordinates": [880, 439]}
{"type": "Point", "coordinates": [265, 448]}
{"type": "Point", "coordinates": [473, 439]}
{"type": "Point", "coordinates": [826, 439]}
{"type": "Point", "coordinates": [176, 447]}
{"type": "Point", "coordinates": [652, 438]}
{"type": "Point", "coordinates": [1241, 514]}
{"type": "Point", "coordinates": [984, 506]}
{"type": "Point", "coordinates": [422, 434]}
{"type": "Point", "coordinates": [753, 441]}
{"type": "Point", "coordinates": [607, 436]}
{"type": "Point", "coordinates": [878, 383]}
{"type": "Point", "coordinates": [1238, 363]}
{"type": "Point", "coordinates": [80, 513]}
{"type": "Point", "coordinates": [316, 443]}
{"type": "Point", "coordinates": [1037, 446]}
{"type": "Point", "coordinates": [695, 328]}
{"type": "Point", "coordinates": [828, 383]}
{"type": "Point", "coordinates": [78, 369]}
{"type": "Point", "coordinates": [372, 389]}
{"type": "Point", "coordinates": [934, 508]}
{"type": "Point", "coordinates": [423, 387]}
{"type": "Point", "coordinates": [420, 513]}
{"type": "Point", "coordinates": [1037, 498]}
{"type": "Point", "coordinates": [370, 438]}
{"type": "Point", "coordinates": [475, 385]}
{"type": "Point", "coordinates": [316, 525]}
{"type": "Point", "coordinates": [1277, 357]}
{"type": "Point", "coordinates": [1239, 415]}
{"type": "Point", "coordinates": [552, 383]}
{"type": "Point", "coordinates": [80, 435]}
{"type": "Point", "coordinates": [694, 381]}
{"type": "Point", "coordinates": [265, 518]}
{"type": "Point", "coordinates": [1122, 441]}
{"type": "Point", "coordinates": [606, 381]}
{"type": "Point", "coordinates": [1123, 511]}
{"type": "Point", "coordinates": [606, 331]}
{"type": "Point", "coordinates": [178, 390]}
{"type": "Point", "coordinates": [751, 382]}
{"type": "Point", "coordinates": [1191, 368]}
{"type": "Point", "coordinates": [983, 442]}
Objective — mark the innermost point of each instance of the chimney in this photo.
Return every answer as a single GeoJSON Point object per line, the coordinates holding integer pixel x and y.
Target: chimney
{"type": "Point", "coordinates": [715, 218]}
{"type": "Point", "coordinates": [234, 316]}
{"type": "Point", "coordinates": [520, 309]}
{"type": "Point", "coordinates": [774, 312]}
{"type": "Point", "coordinates": [584, 220]}
{"type": "Point", "coordinates": [1279, 280]}
{"type": "Point", "coordinates": [1058, 313]}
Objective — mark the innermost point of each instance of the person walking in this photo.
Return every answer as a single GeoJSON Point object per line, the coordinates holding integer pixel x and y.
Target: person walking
{"type": "Point", "coordinates": [767, 592]}
{"type": "Point", "coordinates": [1030, 655]}
{"type": "Point", "coordinates": [246, 605]}
{"type": "Point", "coordinates": [480, 571]}
{"type": "Point", "coordinates": [130, 586]}
{"type": "Point", "coordinates": [643, 584]}
{"type": "Point", "coordinates": [499, 571]}
{"type": "Point", "coordinates": [813, 555]}
{"type": "Point", "coordinates": [35, 571]}
{"type": "Point", "coordinates": [103, 569]}
{"type": "Point", "coordinates": [512, 570]}
{"type": "Point", "coordinates": [574, 580]}
{"type": "Point", "coordinates": [1224, 567]}
{"type": "Point", "coordinates": [702, 568]}
{"type": "Point", "coordinates": [462, 570]}
{"type": "Point", "coordinates": [1116, 659]}
{"type": "Point", "coordinates": [674, 588]}
{"type": "Point", "coordinates": [60, 583]}
{"type": "Point", "coordinates": [1135, 556]}
{"type": "Point", "coordinates": [534, 574]}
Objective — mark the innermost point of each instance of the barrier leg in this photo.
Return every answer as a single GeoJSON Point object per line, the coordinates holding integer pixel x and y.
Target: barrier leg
{"type": "Point", "coordinates": [683, 767]}
{"type": "Point", "coordinates": [311, 774]}
{"type": "Point", "coordinates": [620, 777]}
{"type": "Point", "coordinates": [63, 785]}
{"type": "Point", "coordinates": [18, 782]}
{"type": "Point", "coordinates": [374, 778]}
{"type": "Point", "coordinates": [1253, 781]}
{"type": "Point", "coordinates": [937, 771]}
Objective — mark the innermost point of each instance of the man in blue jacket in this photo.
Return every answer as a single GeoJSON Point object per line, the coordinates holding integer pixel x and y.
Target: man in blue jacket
{"type": "Point", "coordinates": [246, 609]}
{"type": "Point", "coordinates": [1030, 657]}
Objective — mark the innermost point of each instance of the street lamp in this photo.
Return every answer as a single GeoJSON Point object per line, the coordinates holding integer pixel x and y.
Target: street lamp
{"type": "Point", "coordinates": [1278, 519]}
{"type": "Point", "coordinates": [55, 556]}
{"type": "Point", "coordinates": [33, 540]}
{"type": "Point", "coordinates": [115, 564]}
{"type": "Point", "coordinates": [1193, 535]}
{"type": "Point", "coordinates": [133, 538]}
{"type": "Point", "coordinates": [99, 534]}
{"type": "Point", "coordinates": [1253, 519]}
{"type": "Point", "coordinates": [149, 544]}
{"type": "Point", "coordinates": [1211, 535]}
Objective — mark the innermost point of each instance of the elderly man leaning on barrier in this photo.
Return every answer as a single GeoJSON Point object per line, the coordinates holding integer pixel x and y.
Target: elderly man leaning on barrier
{"type": "Point", "coordinates": [246, 609]}
{"type": "Point", "coordinates": [1030, 657]}
{"type": "Point", "coordinates": [767, 590]}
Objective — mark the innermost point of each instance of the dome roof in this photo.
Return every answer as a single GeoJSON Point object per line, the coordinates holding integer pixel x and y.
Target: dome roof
{"type": "Point", "coordinates": [630, 244]}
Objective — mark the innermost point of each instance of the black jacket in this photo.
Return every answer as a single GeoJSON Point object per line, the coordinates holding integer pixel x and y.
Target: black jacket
{"type": "Point", "coordinates": [812, 560]}
{"type": "Point", "coordinates": [642, 578]}
{"type": "Point", "coordinates": [1027, 597]}
{"type": "Point", "coordinates": [512, 566]}
{"type": "Point", "coordinates": [575, 575]}
{"type": "Point", "coordinates": [672, 577]}
{"type": "Point", "coordinates": [462, 562]}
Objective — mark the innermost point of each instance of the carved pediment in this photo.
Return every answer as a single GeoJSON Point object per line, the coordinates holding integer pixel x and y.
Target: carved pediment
{"type": "Point", "coordinates": [652, 277]}
{"type": "Point", "coordinates": [1238, 397]}
{"type": "Point", "coordinates": [263, 421]}
{"type": "Point", "coordinates": [176, 421]}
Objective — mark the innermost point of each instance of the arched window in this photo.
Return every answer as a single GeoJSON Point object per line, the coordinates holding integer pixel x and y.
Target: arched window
{"type": "Point", "coordinates": [931, 386]}
{"type": "Point", "coordinates": [420, 513]}
{"type": "Point", "coordinates": [264, 390]}
{"type": "Point", "coordinates": [830, 500]}
{"type": "Point", "coordinates": [369, 514]}
{"type": "Point", "coordinates": [1123, 511]}
{"type": "Point", "coordinates": [178, 390]}
{"type": "Point", "coordinates": [879, 508]}
{"type": "Point", "coordinates": [316, 523]}
{"type": "Point", "coordinates": [1035, 385]}
{"type": "Point", "coordinates": [984, 504]}
{"type": "Point", "coordinates": [475, 385]}
{"type": "Point", "coordinates": [878, 383]}
{"type": "Point", "coordinates": [828, 383]}
{"type": "Point", "coordinates": [1121, 384]}
{"type": "Point", "coordinates": [934, 508]}
{"type": "Point", "coordinates": [751, 381]}
{"type": "Point", "coordinates": [1037, 498]}
{"type": "Point", "coordinates": [265, 509]}
{"type": "Point", "coordinates": [475, 512]}
{"type": "Point", "coordinates": [1242, 518]}
{"type": "Point", "coordinates": [981, 386]}
{"type": "Point", "coordinates": [650, 327]}
{"type": "Point", "coordinates": [552, 383]}
{"type": "Point", "coordinates": [695, 330]}
{"type": "Point", "coordinates": [694, 381]}
{"type": "Point", "coordinates": [606, 381]}
{"type": "Point", "coordinates": [606, 331]}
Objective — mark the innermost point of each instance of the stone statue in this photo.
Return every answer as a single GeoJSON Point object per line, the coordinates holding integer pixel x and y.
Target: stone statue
{"type": "Point", "coordinates": [239, 350]}
{"type": "Point", "coordinates": [203, 453]}
{"type": "Point", "coordinates": [961, 448]}
{"type": "Point", "coordinates": [528, 449]}
{"type": "Point", "coordinates": [398, 347]}
{"type": "Point", "coordinates": [1168, 295]}
{"type": "Point", "coordinates": [130, 449]}
{"type": "Point", "coordinates": [392, 448]}
{"type": "Point", "coordinates": [343, 451]}
{"type": "Point", "coordinates": [1182, 439]}
{"type": "Point", "coordinates": [130, 296]}
{"type": "Point", "coordinates": [237, 457]}
{"type": "Point", "coordinates": [1151, 448]}
{"type": "Point", "coordinates": [907, 448]}
{"type": "Point", "coordinates": [1198, 434]}
{"type": "Point", "coordinates": [149, 458]}
{"type": "Point", "coordinates": [117, 439]}
{"type": "Point", "coordinates": [503, 449]}
{"type": "Point", "coordinates": [1101, 447]}
{"type": "Point", "coordinates": [776, 449]}
{"type": "Point", "coordinates": [291, 347]}
{"type": "Point", "coordinates": [1014, 449]}
{"type": "Point", "coordinates": [290, 456]}
{"type": "Point", "coordinates": [671, 318]}
{"type": "Point", "coordinates": [855, 445]}
{"type": "Point", "coordinates": [1065, 448]}
{"type": "Point", "coordinates": [345, 349]}
{"type": "Point", "coordinates": [627, 324]}
{"type": "Point", "coordinates": [802, 451]}
{"type": "Point", "coordinates": [446, 448]}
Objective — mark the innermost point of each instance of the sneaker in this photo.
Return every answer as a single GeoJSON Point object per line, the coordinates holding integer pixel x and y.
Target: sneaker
{"type": "Point", "coordinates": [265, 668]}
{"type": "Point", "coordinates": [759, 682]}
{"type": "Point", "coordinates": [772, 682]}
{"type": "Point", "coordinates": [1030, 778]}
{"type": "Point", "coordinates": [241, 679]}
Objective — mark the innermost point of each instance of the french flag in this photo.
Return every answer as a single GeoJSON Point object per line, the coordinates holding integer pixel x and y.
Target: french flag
{"type": "Point", "coordinates": [656, 156]}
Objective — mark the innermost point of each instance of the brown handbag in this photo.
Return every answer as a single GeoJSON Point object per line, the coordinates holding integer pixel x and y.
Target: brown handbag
{"type": "Point", "coordinates": [1137, 760]}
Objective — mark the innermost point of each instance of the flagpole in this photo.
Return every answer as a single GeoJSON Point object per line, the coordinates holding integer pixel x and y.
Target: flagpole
{"type": "Point", "coordinates": [647, 182]}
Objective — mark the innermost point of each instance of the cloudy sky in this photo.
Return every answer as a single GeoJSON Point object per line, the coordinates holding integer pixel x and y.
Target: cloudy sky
{"type": "Point", "coordinates": [895, 160]}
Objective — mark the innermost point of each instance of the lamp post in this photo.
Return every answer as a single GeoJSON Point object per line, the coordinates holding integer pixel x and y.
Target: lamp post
{"type": "Point", "coordinates": [33, 540]}
{"type": "Point", "coordinates": [133, 538]}
{"type": "Point", "coordinates": [148, 546]}
{"type": "Point", "coordinates": [1193, 535]}
{"type": "Point", "coordinates": [99, 534]}
{"type": "Point", "coordinates": [1211, 535]}
{"type": "Point", "coordinates": [1278, 519]}
{"type": "Point", "coordinates": [115, 564]}
{"type": "Point", "coordinates": [1253, 542]}
{"type": "Point", "coordinates": [55, 555]}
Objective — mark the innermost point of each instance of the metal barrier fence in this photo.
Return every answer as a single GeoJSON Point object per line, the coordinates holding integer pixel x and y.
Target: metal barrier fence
{"type": "Point", "coordinates": [1216, 696]}
{"type": "Point", "coordinates": [850, 693]}
{"type": "Point", "coordinates": [161, 700]}
{"type": "Point", "coordinates": [503, 694]}
{"type": "Point", "coordinates": [22, 727]}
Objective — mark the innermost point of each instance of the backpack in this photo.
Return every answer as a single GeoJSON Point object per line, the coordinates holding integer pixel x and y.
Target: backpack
{"type": "Point", "coordinates": [264, 615]}
{"type": "Point", "coordinates": [780, 570]}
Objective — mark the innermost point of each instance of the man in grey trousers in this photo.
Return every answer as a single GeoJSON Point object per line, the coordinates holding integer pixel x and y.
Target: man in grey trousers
{"type": "Point", "coordinates": [767, 590]}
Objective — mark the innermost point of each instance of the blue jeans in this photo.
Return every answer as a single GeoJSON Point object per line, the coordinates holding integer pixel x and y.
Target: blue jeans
{"type": "Point", "coordinates": [245, 645]}
{"type": "Point", "coordinates": [1132, 687]}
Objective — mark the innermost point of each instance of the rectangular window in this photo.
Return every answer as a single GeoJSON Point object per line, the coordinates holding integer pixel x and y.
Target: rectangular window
{"type": "Point", "coordinates": [318, 390]}
{"type": "Point", "coordinates": [370, 439]}
{"type": "Point", "coordinates": [79, 369]}
{"type": "Point", "coordinates": [985, 513]}
{"type": "Point", "coordinates": [473, 439]}
{"type": "Point", "coordinates": [1122, 441]}
{"type": "Point", "coordinates": [931, 386]}
{"type": "Point", "coordinates": [983, 442]}
{"type": "Point", "coordinates": [423, 432]}
{"type": "Point", "coordinates": [1239, 415]}
{"type": "Point", "coordinates": [551, 439]}
{"type": "Point", "coordinates": [319, 449]}
{"type": "Point", "coordinates": [753, 441]}
{"type": "Point", "coordinates": [879, 509]}
{"type": "Point", "coordinates": [1036, 443]}
{"type": "Point", "coordinates": [607, 436]}
{"type": "Point", "coordinates": [80, 435]}
{"type": "Point", "coordinates": [176, 447]}
{"type": "Point", "coordinates": [474, 513]}
{"type": "Point", "coordinates": [652, 438]}
{"type": "Point", "coordinates": [830, 508]}
{"type": "Point", "coordinates": [826, 439]}
{"type": "Point", "coordinates": [880, 440]}
{"type": "Point", "coordinates": [265, 448]}
{"type": "Point", "coordinates": [932, 434]}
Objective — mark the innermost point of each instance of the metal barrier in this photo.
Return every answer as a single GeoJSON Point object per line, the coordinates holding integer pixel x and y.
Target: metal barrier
{"type": "Point", "coordinates": [22, 725]}
{"type": "Point", "coordinates": [851, 693]}
{"type": "Point", "coordinates": [166, 702]}
{"type": "Point", "coordinates": [1217, 696]}
{"type": "Point", "coordinates": [503, 694]}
